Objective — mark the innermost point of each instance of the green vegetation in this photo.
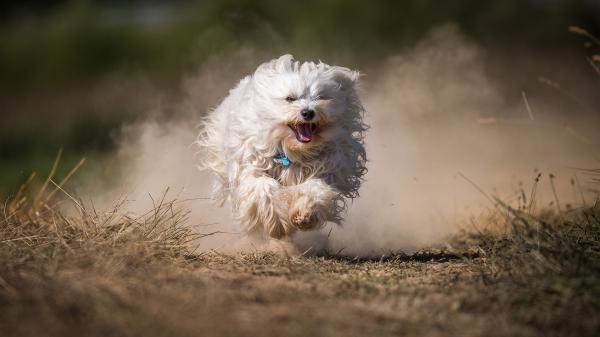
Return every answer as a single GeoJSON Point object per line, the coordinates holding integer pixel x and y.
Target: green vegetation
{"type": "Point", "coordinates": [61, 62]}
{"type": "Point", "coordinates": [72, 41]}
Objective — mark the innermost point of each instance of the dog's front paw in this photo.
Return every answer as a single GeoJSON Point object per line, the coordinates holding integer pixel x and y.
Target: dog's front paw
{"type": "Point", "coordinates": [305, 215]}
{"type": "Point", "coordinates": [303, 219]}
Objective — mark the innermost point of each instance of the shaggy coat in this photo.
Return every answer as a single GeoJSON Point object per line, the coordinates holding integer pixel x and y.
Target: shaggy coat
{"type": "Point", "coordinates": [264, 119]}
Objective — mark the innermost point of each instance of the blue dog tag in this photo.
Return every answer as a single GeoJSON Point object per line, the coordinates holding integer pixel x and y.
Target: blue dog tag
{"type": "Point", "coordinates": [283, 160]}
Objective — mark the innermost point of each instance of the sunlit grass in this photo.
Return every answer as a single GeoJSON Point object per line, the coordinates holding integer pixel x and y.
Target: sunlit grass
{"type": "Point", "coordinates": [97, 272]}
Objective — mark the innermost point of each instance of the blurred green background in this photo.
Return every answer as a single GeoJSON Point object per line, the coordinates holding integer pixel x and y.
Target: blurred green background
{"type": "Point", "coordinates": [72, 72]}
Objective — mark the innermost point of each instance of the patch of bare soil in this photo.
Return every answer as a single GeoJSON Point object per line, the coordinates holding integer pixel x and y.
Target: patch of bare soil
{"type": "Point", "coordinates": [101, 274]}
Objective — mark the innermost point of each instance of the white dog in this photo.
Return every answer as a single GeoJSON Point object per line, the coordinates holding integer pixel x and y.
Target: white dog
{"type": "Point", "coordinates": [286, 147]}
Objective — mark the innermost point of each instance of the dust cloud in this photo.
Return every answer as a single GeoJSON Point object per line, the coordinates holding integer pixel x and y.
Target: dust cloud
{"type": "Point", "coordinates": [440, 124]}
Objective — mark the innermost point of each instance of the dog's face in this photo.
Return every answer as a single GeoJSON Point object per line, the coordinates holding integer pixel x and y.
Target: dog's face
{"type": "Point", "coordinates": [303, 106]}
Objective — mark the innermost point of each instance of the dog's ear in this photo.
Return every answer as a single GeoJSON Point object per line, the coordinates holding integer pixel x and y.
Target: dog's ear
{"type": "Point", "coordinates": [346, 78]}
{"type": "Point", "coordinates": [283, 64]}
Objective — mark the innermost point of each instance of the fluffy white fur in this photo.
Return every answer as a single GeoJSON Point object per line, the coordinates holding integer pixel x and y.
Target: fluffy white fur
{"type": "Point", "coordinates": [243, 135]}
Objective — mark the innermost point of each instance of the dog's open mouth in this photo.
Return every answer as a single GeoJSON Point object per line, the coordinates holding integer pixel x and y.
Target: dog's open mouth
{"type": "Point", "coordinates": [304, 132]}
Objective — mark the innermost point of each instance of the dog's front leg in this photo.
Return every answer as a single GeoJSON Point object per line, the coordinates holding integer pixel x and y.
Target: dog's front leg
{"type": "Point", "coordinates": [257, 207]}
{"type": "Point", "coordinates": [310, 204]}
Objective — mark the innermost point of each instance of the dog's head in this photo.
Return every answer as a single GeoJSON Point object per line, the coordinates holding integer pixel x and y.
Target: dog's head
{"type": "Point", "coordinates": [302, 106]}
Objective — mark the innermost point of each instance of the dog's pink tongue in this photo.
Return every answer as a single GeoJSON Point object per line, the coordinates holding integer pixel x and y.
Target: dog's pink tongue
{"type": "Point", "coordinates": [305, 132]}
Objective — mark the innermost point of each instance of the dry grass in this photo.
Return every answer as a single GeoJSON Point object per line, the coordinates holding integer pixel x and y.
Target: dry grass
{"type": "Point", "coordinates": [103, 274]}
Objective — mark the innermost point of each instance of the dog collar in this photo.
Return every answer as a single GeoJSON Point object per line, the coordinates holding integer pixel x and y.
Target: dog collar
{"type": "Point", "coordinates": [283, 160]}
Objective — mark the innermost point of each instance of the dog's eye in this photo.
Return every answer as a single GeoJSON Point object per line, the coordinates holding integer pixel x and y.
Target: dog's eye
{"type": "Point", "coordinates": [290, 99]}
{"type": "Point", "coordinates": [321, 98]}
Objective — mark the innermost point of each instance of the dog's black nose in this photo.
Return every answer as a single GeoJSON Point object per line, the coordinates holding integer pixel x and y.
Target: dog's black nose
{"type": "Point", "coordinates": [307, 114]}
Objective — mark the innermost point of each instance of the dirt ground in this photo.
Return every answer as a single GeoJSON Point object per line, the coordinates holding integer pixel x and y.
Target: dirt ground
{"type": "Point", "coordinates": [104, 275]}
